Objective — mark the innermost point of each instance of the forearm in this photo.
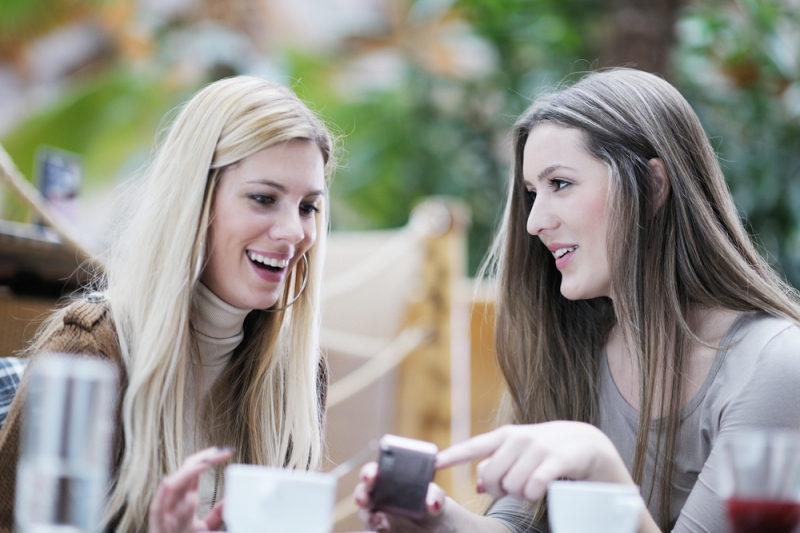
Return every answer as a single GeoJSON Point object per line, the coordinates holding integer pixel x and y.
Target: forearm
{"type": "Point", "coordinates": [610, 468]}
{"type": "Point", "coordinates": [456, 519]}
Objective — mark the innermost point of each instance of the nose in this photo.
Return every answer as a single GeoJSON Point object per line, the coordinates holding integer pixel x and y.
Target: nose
{"type": "Point", "coordinates": [287, 227]}
{"type": "Point", "coordinates": [541, 218]}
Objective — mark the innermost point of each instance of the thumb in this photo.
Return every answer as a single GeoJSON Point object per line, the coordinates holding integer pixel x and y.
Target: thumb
{"type": "Point", "coordinates": [214, 519]}
{"type": "Point", "coordinates": [435, 499]}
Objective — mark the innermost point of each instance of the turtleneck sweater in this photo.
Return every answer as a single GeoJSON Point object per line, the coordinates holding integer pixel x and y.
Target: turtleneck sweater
{"type": "Point", "coordinates": [218, 328]}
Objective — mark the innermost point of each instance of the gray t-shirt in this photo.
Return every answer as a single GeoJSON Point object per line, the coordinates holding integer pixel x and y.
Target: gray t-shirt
{"type": "Point", "coordinates": [754, 381]}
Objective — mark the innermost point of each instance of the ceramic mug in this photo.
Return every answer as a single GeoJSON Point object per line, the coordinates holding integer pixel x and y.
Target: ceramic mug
{"type": "Point", "coordinates": [591, 507]}
{"type": "Point", "coordinates": [260, 498]}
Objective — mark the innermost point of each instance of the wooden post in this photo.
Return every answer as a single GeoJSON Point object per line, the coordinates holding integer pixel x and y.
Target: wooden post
{"type": "Point", "coordinates": [424, 385]}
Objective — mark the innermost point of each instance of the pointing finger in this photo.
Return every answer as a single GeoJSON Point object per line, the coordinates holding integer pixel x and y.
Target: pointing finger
{"type": "Point", "coordinates": [473, 449]}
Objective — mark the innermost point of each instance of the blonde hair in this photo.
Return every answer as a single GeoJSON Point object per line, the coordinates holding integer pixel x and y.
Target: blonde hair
{"type": "Point", "coordinates": [266, 403]}
{"type": "Point", "coordinates": [693, 252]}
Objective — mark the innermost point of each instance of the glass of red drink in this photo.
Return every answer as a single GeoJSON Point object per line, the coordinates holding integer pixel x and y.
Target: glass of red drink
{"type": "Point", "coordinates": [761, 480]}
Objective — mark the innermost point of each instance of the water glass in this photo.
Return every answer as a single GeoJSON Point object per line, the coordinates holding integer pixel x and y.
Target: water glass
{"type": "Point", "coordinates": [66, 449]}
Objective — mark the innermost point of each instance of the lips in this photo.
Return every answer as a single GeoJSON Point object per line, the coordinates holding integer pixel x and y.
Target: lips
{"type": "Point", "coordinates": [267, 262]}
{"type": "Point", "coordinates": [562, 253]}
{"type": "Point", "coordinates": [269, 269]}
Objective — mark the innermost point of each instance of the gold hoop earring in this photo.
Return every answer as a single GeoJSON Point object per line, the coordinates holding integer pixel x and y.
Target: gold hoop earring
{"type": "Point", "coordinates": [302, 288]}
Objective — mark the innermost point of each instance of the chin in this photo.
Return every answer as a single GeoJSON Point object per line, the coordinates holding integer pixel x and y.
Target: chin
{"type": "Point", "coordinates": [573, 293]}
{"type": "Point", "coordinates": [266, 302]}
{"type": "Point", "coordinates": [253, 301]}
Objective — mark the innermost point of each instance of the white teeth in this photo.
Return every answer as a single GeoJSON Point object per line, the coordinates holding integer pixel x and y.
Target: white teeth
{"type": "Point", "coordinates": [561, 252]}
{"type": "Point", "coordinates": [275, 263]}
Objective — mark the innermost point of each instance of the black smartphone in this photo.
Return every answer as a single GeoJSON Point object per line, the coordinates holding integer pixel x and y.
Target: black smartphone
{"type": "Point", "coordinates": [405, 467]}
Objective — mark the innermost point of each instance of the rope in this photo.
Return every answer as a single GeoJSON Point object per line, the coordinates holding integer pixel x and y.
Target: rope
{"type": "Point", "coordinates": [378, 366]}
{"type": "Point", "coordinates": [352, 343]}
{"type": "Point", "coordinates": [392, 250]}
{"type": "Point", "coordinates": [31, 197]}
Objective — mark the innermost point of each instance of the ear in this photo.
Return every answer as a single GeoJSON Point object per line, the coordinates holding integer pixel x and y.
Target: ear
{"type": "Point", "coordinates": [662, 186]}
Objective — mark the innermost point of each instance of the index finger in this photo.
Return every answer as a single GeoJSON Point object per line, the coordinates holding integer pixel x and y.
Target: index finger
{"type": "Point", "coordinates": [183, 479]}
{"type": "Point", "coordinates": [472, 449]}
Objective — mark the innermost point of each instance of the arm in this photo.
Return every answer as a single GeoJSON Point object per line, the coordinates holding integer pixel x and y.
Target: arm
{"type": "Point", "coordinates": [767, 396]}
{"type": "Point", "coordinates": [522, 460]}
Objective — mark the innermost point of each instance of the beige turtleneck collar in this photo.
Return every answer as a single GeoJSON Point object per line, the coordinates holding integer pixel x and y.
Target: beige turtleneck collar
{"type": "Point", "coordinates": [218, 325]}
{"type": "Point", "coordinates": [219, 328]}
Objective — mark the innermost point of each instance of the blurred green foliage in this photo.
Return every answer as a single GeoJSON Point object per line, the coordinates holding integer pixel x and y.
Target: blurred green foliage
{"type": "Point", "coordinates": [436, 135]}
{"type": "Point", "coordinates": [23, 19]}
{"type": "Point", "coordinates": [109, 119]}
{"type": "Point", "coordinates": [433, 133]}
{"type": "Point", "coordinates": [739, 66]}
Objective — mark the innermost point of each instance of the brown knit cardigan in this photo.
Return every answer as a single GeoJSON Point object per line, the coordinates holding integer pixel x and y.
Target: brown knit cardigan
{"type": "Point", "coordinates": [87, 329]}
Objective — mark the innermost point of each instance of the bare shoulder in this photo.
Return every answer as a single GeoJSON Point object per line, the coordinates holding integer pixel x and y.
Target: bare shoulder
{"type": "Point", "coordinates": [712, 324]}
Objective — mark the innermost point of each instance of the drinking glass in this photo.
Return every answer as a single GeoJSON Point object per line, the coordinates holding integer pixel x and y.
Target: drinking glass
{"type": "Point", "coordinates": [761, 480]}
{"type": "Point", "coordinates": [63, 468]}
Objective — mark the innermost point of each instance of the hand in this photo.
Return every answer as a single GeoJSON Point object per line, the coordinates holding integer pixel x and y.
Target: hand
{"type": "Point", "coordinates": [522, 460]}
{"type": "Point", "coordinates": [435, 503]}
{"type": "Point", "coordinates": [174, 506]}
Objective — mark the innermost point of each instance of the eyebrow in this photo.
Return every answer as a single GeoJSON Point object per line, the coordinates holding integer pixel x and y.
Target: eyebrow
{"type": "Point", "coordinates": [281, 188]}
{"type": "Point", "coordinates": [549, 170]}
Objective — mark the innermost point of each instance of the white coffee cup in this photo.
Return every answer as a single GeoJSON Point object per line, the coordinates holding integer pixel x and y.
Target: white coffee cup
{"type": "Point", "coordinates": [591, 507]}
{"type": "Point", "coordinates": [279, 500]}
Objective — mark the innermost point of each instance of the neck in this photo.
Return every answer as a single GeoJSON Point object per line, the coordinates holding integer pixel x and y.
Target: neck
{"type": "Point", "coordinates": [219, 326]}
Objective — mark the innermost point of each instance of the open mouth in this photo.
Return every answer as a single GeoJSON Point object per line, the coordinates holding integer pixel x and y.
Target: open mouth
{"type": "Point", "coordinates": [267, 263]}
{"type": "Point", "coordinates": [561, 252]}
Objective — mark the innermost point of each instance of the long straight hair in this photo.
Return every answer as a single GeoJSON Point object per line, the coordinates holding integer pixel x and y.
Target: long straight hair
{"type": "Point", "coordinates": [266, 403]}
{"type": "Point", "coordinates": [691, 252]}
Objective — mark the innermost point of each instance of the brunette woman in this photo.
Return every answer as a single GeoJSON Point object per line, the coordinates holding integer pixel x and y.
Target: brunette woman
{"type": "Point", "coordinates": [637, 325]}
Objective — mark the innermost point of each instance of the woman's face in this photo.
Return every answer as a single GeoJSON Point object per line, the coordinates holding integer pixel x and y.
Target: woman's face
{"type": "Point", "coordinates": [569, 212]}
{"type": "Point", "coordinates": [263, 220]}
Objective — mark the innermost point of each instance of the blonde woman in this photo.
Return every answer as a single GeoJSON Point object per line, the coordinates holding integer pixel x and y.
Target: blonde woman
{"type": "Point", "coordinates": [209, 305]}
{"type": "Point", "coordinates": [637, 326]}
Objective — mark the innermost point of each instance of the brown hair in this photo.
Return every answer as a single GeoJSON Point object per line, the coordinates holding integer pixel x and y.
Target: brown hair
{"type": "Point", "coordinates": [693, 252]}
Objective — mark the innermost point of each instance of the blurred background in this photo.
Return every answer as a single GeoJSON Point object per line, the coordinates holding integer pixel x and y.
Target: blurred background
{"type": "Point", "coordinates": [422, 92]}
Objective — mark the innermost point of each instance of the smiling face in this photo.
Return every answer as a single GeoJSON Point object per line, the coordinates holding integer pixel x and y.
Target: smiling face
{"type": "Point", "coordinates": [263, 220]}
{"type": "Point", "coordinates": [569, 215]}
